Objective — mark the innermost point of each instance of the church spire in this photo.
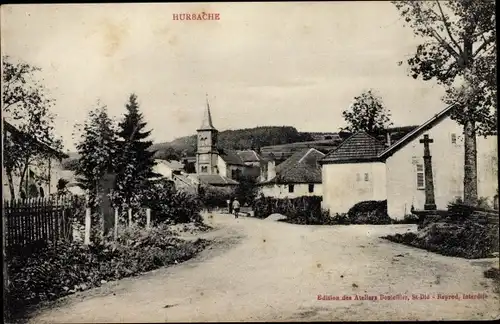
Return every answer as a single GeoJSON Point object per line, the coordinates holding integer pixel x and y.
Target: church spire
{"type": "Point", "coordinates": [207, 119]}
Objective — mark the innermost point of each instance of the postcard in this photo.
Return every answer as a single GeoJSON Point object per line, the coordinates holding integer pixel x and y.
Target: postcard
{"type": "Point", "coordinates": [227, 161]}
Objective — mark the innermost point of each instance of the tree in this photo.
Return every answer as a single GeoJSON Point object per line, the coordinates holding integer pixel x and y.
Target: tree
{"type": "Point", "coordinates": [97, 149]}
{"type": "Point", "coordinates": [26, 101]}
{"type": "Point", "coordinates": [246, 191]}
{"type": "Point", "coordinates": [367, 113]}
{"type": "Point", "coordinates": [136, 161]}
{"type": "Point", "coordinates": [458, 50]}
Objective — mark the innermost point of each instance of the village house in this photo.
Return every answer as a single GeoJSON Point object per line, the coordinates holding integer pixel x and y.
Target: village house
{"type": "Point", "coordinates": [41, 176]}
{"type": "Point", "coordinates": [299, 175]}
{"type": "Point", "coordinates": [363, 168]}
{"type": "Point", "coordinates": [168, 169]}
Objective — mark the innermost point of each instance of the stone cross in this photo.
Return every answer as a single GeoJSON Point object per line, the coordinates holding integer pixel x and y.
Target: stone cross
{"type": "Point", "coordinates": [430, 203]}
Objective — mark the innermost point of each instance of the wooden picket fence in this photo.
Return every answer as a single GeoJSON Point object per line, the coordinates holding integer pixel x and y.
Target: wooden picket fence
{"type": "Point", "coordinates": [32, 224]}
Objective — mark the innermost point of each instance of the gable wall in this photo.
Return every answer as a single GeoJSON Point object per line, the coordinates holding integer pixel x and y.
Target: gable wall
{"type": "Point", "coordinates": [342, 188]}
{"type": "Point", "coordinates": [447, 167]}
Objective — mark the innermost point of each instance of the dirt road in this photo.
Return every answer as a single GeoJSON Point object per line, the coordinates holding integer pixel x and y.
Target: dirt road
{"type": "Point", "coordinates": [262, 270]}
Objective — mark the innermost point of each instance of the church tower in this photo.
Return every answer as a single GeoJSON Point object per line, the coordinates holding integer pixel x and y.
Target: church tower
{"type": "Point", "coordinates": [207, 154]}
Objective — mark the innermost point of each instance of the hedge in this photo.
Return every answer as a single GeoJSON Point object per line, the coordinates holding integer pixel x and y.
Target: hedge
{"type": "Point", "coordinates": [301, 210]}
{"type": "Point", "coordinates": [307, 210]}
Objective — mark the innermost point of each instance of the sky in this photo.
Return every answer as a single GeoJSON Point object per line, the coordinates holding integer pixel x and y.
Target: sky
{"type": "Point", "coordinates": [296, 64]}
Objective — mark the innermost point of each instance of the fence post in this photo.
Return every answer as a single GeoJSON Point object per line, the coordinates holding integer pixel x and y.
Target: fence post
{"type": "Point", "coordinates": [148, 218]}
{"type": "Point", "coordinates": [130, 217]}
{"type": "Point", "coordinates": [87, 226]}
{"type": "Point", "coordinates": [116, 224]}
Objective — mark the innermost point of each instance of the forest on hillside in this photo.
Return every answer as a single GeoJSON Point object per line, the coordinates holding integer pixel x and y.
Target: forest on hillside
{"type": "Point", "coordinates": [240, 139]}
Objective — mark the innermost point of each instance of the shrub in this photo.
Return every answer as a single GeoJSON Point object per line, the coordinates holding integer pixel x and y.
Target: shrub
{"type": "Point", "coordinates": [369, 212]}
{"type": "Point", "coordinates": [467, 240]}
{"type": "Point", "coordinates": [69, 267]}
{"type": "Point", "coordinates": [301, 210]}
{"type": "Point", "coordinates": [246, 190]}
{"type": "Point", "coordinates": [169, 205]}
{"type": "Point", "coordinates": [213, 197]}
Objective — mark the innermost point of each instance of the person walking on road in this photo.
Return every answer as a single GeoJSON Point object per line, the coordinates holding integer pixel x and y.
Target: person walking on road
{"type": "Point", "coordinates": [236, 207]}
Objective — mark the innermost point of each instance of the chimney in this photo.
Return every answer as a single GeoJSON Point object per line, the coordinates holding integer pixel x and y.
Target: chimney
{"type": "Point", "coordinates": [388, 138]}
{"type": "Point", "coordinates": [271, 169]}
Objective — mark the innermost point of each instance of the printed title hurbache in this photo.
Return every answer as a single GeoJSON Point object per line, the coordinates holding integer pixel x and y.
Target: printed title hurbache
{"type": "Point", "coordinates": [196, 16]}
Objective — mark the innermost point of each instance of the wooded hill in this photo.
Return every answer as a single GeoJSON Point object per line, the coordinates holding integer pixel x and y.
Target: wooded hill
{"type": "Point", "coordinates": [240, 139]}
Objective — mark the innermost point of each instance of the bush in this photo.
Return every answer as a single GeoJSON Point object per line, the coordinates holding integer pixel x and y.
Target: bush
{"type": "Point", "coordinates": [301, 210]}
{"type": "Point", "coordinates": [246, 190]}
{"type": "Point", "coordinates": [307, 210]}
{"type": "Point", "coordinates": [213, 197]}
{"type": "Point", "coordinates": [69, 267]}
{"type": "Point", "coordinates": [467, 240]}
{"type": "Point", "coordinates": [369, 212]}
{"type": "Point", "coordinates": [169, 205]}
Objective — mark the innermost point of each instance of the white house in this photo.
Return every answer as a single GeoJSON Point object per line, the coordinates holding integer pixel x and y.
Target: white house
{"type": "Point", "coordinates": [167, 168]}
{"type": "Point", "coordinates": [299, 175]}
{"type": "Point", "coordinates": [363, 168]}
{"type": "Point", "coordinates": [41, 176]}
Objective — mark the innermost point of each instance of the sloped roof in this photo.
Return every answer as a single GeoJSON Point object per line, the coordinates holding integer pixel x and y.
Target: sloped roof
{"type": "Point", "coordinates": [216, 180]}
{"type": "Point", "coordinates": [417, 132]}
{"type": "Point", "coordinates": [395, 133]}
{"type": "Point", "coordinates": [9, 127]}
{"type": "Point", "coordinates": [301, 167]}
{"type": "Point", "coordinates": [360, 147]}
{"type": "Point", "coordinates": [249, 156]}
{"type": "Point", "coordinates": [173, 164]}
{"type": "Point", "coordinates": [231, 157]}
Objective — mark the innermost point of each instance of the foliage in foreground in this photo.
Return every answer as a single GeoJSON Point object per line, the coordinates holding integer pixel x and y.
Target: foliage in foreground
{"type": "Point", "coordinates": [69, 267]}
{"type": "Point", "coordinates": [467, 240]}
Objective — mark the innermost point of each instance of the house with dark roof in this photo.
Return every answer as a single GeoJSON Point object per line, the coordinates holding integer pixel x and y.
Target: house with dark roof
{"type": "Point", "coordinates": [365, 168]}
{"type": "Point", "coordinates": [299, 175]}
{"type": "Point", "coordinates": [42, 174]}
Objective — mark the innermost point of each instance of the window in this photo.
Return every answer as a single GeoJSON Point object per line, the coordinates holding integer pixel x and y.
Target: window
{"type": "Point", "coordinates": [233, 174]}
{"type": "Point", "coordinates": [204, 169]}
{"type": "Point", "coordinates": [311, 187]}
{"type": "Point", "coordinates": [290, 188]}
{"type": "Point", "coordinates": [453, 138]}
{"type": "Point", "coordinates": [420, 176]}
{"type": "Point", "coordinates": [366, 177]}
